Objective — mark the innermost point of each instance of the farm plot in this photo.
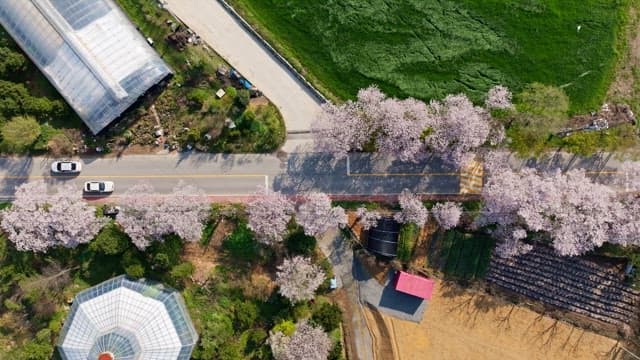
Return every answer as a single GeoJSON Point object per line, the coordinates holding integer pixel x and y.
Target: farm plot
{"type": "Point", "coordinates": [427, 49]}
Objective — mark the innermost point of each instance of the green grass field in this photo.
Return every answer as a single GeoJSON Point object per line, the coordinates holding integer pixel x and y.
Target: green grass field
{"type": "Point", "coordinates": [429, 48]}
{"type": "Point", "coordinates": [462, 256]}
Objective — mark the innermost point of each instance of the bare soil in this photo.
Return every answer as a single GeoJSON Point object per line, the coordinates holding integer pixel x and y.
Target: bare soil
{"type": "Point", "coordinates": [461, 324]}
{"type": "Point", "coordinates": [205, 258]}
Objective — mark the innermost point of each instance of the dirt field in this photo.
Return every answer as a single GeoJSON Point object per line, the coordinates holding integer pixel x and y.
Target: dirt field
{"type": "Point", "coordinates": [459, 324]}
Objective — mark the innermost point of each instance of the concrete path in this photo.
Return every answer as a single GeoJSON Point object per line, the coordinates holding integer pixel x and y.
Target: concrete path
{"type": "Point", "coordinates": [340, 254]}
{"type": "Point", "coordinates": [232, 41]}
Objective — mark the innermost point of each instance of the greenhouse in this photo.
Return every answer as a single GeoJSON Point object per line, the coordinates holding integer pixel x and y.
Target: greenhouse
{"type": "Point", "coordinates": [125, 319]}
{"type": "Point", "coordinates": [89, 51]}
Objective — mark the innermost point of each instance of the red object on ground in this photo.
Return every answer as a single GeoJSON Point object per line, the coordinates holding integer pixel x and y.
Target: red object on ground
{"type": "Point", "coordinates": [414, 285]}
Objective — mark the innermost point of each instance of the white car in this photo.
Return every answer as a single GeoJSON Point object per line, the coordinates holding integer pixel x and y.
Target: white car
{"type": "Point", "coordinates": [66, 167]}
{"type": "Point", "coordinates": [98, 187]}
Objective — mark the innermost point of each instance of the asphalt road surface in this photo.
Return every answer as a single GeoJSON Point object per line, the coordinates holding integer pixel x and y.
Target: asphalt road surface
{"type": "Point", "coordinates": [240, 175]}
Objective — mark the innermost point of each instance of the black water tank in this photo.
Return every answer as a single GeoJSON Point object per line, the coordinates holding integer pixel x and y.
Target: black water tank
{"type": "Point", "coordinates": [383, 239]}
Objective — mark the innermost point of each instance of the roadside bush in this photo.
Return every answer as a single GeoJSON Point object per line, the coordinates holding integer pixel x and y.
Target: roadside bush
{"type": "Point", "coordinates": [336, 352]}
{"type": "Point", "coordinates": [328, 316]}
{"type": "Point", "coordinates": [20, 133]}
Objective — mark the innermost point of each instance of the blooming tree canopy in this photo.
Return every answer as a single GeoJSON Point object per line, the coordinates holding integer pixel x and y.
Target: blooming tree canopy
{"type": "Point", "coordinates": [447, 214]}
{"type": "Point", "coordinates": [37, 221]}
{"type": "Point", "coordinates": [307, 343]}
{"type": "Point", "coordinates": [577, 214]}
{"type": "Point", "coordinates": [298, 278]}
{"type": "Point", "coordinates": [413, 211]}
{"type": "Point", "coordinates": [499, 97]}
{"type": "Point", "coordinates": [147, 216]}
{"type": "Point", "coordinates": [458, 129]}
{"type": "Point", "coordinates": [269, 214]}
{"type": "Point", "coordinates": [408, 129]}
{"type": "Point", "coordinates": [316, 215]}
{"type": "Point", "coordinates": [367, 218]}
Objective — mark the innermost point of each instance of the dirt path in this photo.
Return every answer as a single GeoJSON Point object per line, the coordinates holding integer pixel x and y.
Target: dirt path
{"type": "Point", "coordinates": [459, 324]}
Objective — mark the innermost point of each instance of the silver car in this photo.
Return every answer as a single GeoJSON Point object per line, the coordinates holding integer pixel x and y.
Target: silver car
{"type": "Point", "coordinates": [66, 167]}
{"type": "Point", "coordinates": [98, 187]}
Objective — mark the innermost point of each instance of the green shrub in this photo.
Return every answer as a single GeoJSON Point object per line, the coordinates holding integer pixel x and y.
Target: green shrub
{"type": "Point", "coordinates": [297, 243]}
{"type": "Point", "coordinates": [111, 240]}
{"type": "Point", "coordinates": [241, 245]}
{"type": "Point", "coordinates": [20, 133]}
{"type": "Point", "coordinates": [336, 352]}
{"type": "Point", "coordinates": [182, 271]}
{"type": "Point", "coordinates": [134, 270]}
{"type": "Point", "coordinates": [328, 316]}
{"type": "Point", "coordinates": [286, 327]}
{"type": "Point", "coordinates": [246, 313]}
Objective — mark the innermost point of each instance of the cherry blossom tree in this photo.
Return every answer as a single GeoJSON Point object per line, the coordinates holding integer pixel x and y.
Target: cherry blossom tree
{"type": "Point", "coordinates": [316, 215]}
{"type": "Point", "coordinates": [401, 127]}
{"type": "Point", "coordinates": [307, 343]}
{"type": "Point", "coordinates": [447, 214]}
{"type": "Point", "coordinates": [269, 214]}
{"type": "Point", "coordinates": [499, 97]}
{"type": "Point", "coordinates": [576, 213]}
{"type": "Point", "coordinates": [37, 221]}
{"type": "Point", "coordinates": [629, 176]}
{"type": "Point", "coordinates": [413, 211]}
{"type": "Point", "coordinates": [147, 216]}
{"type": "Point", "coordinates": [458, 129]}
{"type": "Point", "coordinates": [340, 129]}
{"type": "Point", "coordinates": [298, 278]}
{"type": "Point", "coordinates": [367, 218]}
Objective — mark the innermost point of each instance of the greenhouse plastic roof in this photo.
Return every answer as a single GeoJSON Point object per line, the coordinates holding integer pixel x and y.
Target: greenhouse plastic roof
{"type": "Point", "coordinates": [90, 52]}
{"type": "Point", "coordinates": [130, 319]}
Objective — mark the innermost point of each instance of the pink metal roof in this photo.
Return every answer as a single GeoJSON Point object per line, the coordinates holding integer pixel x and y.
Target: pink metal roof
{"type": "Point", "coordinates": [414, 285]}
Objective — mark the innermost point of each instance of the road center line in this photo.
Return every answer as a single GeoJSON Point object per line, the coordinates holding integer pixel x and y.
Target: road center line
{"type": "Point", "coordinates": [167, 176]}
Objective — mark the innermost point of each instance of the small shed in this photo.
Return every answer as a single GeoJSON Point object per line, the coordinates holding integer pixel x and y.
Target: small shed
{"type": "Point", "coordinates": [383, 238]}
{"type": "Point", "coordinates": [415, 285]}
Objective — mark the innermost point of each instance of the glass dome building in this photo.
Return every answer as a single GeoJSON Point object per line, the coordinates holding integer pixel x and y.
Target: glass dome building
{"type": "Point", "coordinates": [126, 319]}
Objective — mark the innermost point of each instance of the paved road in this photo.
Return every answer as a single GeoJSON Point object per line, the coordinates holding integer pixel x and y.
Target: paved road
{"type": "Point", "coordinates": [238, 175]}
{"type": "Point", "coordinates": [229, 39]}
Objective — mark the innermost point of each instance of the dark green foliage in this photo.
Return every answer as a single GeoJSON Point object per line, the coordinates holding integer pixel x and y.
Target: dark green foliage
{"type": "Point", "coordinates": [328, 316]}
{"type": "Point", "coordinates": [111, 240]}
{"type": "Point", "coordinates": [297, 243]}
{"type": "Point", "coordinates": [16, 100]}
{"type": "Point", "coordinates": [427, 49]}
{"type": "Point", "coordinates": [336, 352]}
{"type": "Point", "coordinates": [407, 241]}
{"type": "Point", "coordinates": [241, 245]}
{"type": "Point", "coordinates": [242, 98]}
